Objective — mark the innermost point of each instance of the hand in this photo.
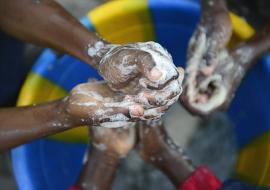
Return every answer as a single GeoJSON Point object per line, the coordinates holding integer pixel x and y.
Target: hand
{"type": "Point", "coordinates": [145, 71]}
{"type": "Point", "coordinates": [214, 72]}
{"type": "Point", "coordinates": [117, 141]}
{"type": "Point", "coordinates": [210, 68]}
{"type": "Point", "coordinates": [211, 87]}
{"type": "Point", "coordinates": [94, 103]}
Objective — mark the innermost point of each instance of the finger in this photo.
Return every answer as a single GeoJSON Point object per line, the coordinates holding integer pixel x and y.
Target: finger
{"type": "Point", "coordinates": [181, 72]}
{"type": "Point", "coordinates": [154, 113]}
{"type": "Point", "coordinates": [115, 114]}
{"type": "Point", "coordinates": [156, 65]}
{"type": "Point", "coordinates": [146, 66]}
{"type": "Point", "coordinates": [147, 99]}
{"type": "Point", "coordinates": [144, 98]}
{"type": "Point", "coordinates": [160, 97]}
{"type": "Point", "coordinates": [168, 74]}
{"type": "Point", "coordinates": [154, 74]}
{"type": "Point", "coordinates": [184, 101]}
{"type": "Point", "coordinates": [169, 93]}
{"type": "Point", "coordinates": [197, 45]}
{"type": "Point", "coordinates": [136, 111]}
{"type": "Point", "coordinates": [121, 111]}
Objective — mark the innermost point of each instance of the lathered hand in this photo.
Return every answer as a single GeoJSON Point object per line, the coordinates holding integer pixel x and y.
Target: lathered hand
{"type": "Point", "coordinates": [143, 71]}
{"type": "Point", "coordinates": [214, 71]}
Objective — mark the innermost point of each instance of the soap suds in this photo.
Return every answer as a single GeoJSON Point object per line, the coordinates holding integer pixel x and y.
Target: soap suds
{"type": "Point", "coordinates": [163, 62]}
{"type": "Point", "coordinates": [115, 124]}
{"type": "Point", "coordinates": [194, 62]}
{"type": "Point", "coordinates": [160, 56]}
{"type": "Point", "coordinates": [245, 55]}
{"type": "Point", "coordinates": [93, 50]}
{"type": "Point", "coordinates": [162, 59]}
{"type": "Point", "coordinates": [101, 147]}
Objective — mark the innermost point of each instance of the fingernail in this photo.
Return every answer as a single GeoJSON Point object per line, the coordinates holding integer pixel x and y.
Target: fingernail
{"type": "Point", "coordinates": [136, 111]}
{"type": "Point", "coordinates": [155, 74]}
{"type": "Point", "coordinates": [181, 72]}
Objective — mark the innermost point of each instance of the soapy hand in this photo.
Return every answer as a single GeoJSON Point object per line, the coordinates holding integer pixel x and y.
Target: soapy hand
{"type": "Point", "coordinates": [214, 71]}
{"type": "Point", "coordinates": [94, 103]}
{"type": "Point", "coordinates": [117, 141]}
{"type": "Point", "coordinates": [143, 71]}
{"type": "Point", "coordinates": [210, 68]}
{"type": "Point", "coordinates": [205, 88]}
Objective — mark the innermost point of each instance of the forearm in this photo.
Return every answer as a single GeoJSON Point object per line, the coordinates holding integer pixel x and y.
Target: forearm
{"type": "Point", "coordinates": [215, 18]}
{"type": "Point", "coordinates": [156, 147]}
{"type": "Point", "coordinates": [212, 8]}
{"type": "Point", "coordinates": [48, 24]}
{"type": "Point", "coordinates": [99, 170]}
{"type": "Point", "coordinates": [248, 52]}
{"type": "Point", "coordinates": [174, 167]}
{"type": "Point", "coordinates": [22, 124]}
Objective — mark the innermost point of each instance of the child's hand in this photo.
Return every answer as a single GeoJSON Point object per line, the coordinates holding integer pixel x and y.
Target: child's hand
{"type": "Point", "coordinates": [145, 71]}
{"type": "Point", "coordinates": [210, 69]}
{"type": "Point", "coordinates": [118, 141]}
{"type": "Point", "coordinates": [94, 103]}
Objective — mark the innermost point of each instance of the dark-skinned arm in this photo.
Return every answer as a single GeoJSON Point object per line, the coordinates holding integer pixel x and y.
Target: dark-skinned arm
{"type": "Point", "coordinates": [22, 124]}
{"type": "Point", "coordinates": [108, 147]}
{"type": "Point", "coordinates": [214, 71]}
{"type": "Point", "coordinates": [215, 22]}
{"type": "Point", "coordinates": [83, 106]}
{"type": "Point", "coordinates": [248, 52]}
{"type": "Point", "coordinates": [157, 148]}
{"type": "Point", "coordinates": [46, 23]}
{"type": "Point", "coordinates": [99, 170]}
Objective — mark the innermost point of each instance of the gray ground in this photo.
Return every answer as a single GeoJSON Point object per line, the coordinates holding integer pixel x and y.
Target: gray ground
{"type": "Point", "coordinates": [209, 142]}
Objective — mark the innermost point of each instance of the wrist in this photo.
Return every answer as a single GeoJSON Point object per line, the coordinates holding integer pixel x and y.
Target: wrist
{"type": "Point", "coordinates": [76, 115]}
{"type": "Point", "coordinates": [85, 40]}
{"type": "Point", "coordinates": [173, 163]}
{"type": "Point", "coordinates": [61, 115]}
{"type": "Point", "coordinates": [96, 50]}
{"type": "Point", "coordinates": [176, 168]}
